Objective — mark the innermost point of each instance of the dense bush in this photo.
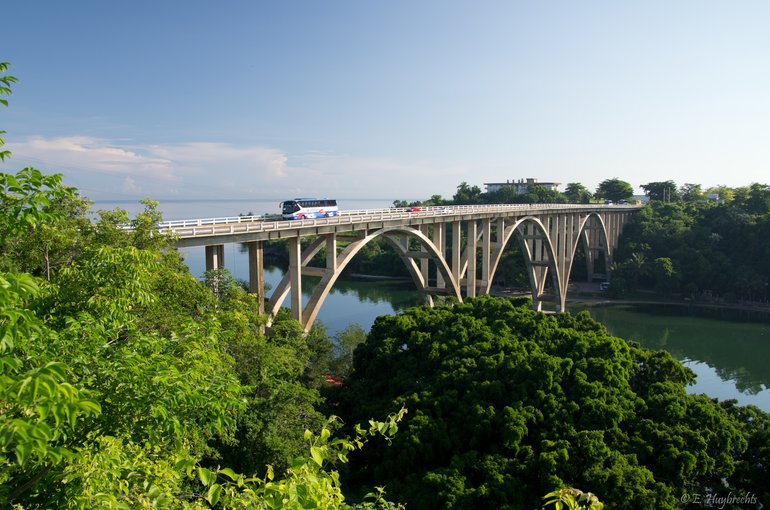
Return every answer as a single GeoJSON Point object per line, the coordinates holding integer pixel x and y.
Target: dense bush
{"type": "Point", "coordinates": [506, 404]}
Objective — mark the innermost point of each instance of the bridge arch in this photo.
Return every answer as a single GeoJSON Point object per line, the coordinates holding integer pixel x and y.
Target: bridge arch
{"type": "Point", "coordinates": [539, 256]}
{"type": "Point", "coordinates": [593, 239]}
{"type": "Point", "coordinates": [397, 237]}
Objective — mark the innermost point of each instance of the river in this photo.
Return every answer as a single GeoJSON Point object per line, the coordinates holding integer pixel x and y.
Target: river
{"type": "Point", "coordinates": [730, 358]}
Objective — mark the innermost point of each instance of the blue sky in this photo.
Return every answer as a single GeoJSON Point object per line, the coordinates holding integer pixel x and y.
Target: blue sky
{"type": "Point", "coordinates": [389, 99]}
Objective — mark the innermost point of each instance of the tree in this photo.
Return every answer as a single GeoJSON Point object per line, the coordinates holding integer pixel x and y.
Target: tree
{"type": "Point", "coordinates": [436, 200]}
{"type": "Point", "coordinates": [700, 239]}
{"type": "Point", "coordinates": [614, 190]}
{"type": "Point", "coordinates": [665, 191]}
{"type": "Point", "coordinates": [632, 270]}
{"type": "Point", "coordinates": [346, 342]}
{"type": "Point", "coordinates": [506, 403]}
{"type": "Point", "coordinates": [542, 195]}
{"type": "Point", "coordinates": [467, 194]}
{"type": "Point", "coordinates": [758, 201]}
{"type": "Point", "coordinates": [576, 193]}
{"type": "Point", "coordinates": [43, 405]}
{"type": "Point", "coordinates": [665, 276]}
{"type": "Point", "coordinates": [725, 193]}
{"type": "Point", "coordinates": [691, 192]}
{"type": "Point", "coordinates": [42, 221]}
{"type": "Point", "coordinates": [135, 386]}
{"type": "Point", "coordinates": [5, 90]}
{"type": "Point", "coordinates": [503, 195]}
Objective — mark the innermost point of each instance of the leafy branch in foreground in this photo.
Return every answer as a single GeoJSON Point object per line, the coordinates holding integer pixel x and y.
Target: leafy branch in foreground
{"type": "Point", "coordinates": [309, 482]}
{"type": "Point", "coordinates": [5, 90]}
{"type": "Point", "coordinates": [571, 499]}
{"type": "Point", "coordinates": [40, 406]}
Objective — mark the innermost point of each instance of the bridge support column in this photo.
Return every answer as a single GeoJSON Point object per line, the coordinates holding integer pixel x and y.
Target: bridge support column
{"type": "Point", "coordinates": [215, 257]}
{"type": "Point", "coordinates": [589, 256]}
{"type": "Point", "coordinates": [486, 254]}
{"type": "Point", "coordinates": [439, 241]}
{"type": "Point", "coordinates": [331, 252]}
{"type": "Point", "coordinates": [424, 261]}
{"type": "Point", "coordinates": [295, 271]}
{"type": "Point", "coordinates": [571, 224]}
{"type": "Point", "coordinates": [456, 253]}
{"type": "Point", "coordinates": [558, 235]}
{"type": "Point", "coordinates": [256, 273]}
{"type": "Point", "coordinates": [470, 274]}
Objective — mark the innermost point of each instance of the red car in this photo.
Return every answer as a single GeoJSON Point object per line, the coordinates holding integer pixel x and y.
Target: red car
{"type": "Point", "coordinates": [413, 209]}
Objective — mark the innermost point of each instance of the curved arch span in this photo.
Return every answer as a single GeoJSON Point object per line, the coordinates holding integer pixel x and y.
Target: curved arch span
{"type": "Point", "coordinates": [538, 257]}
{"type": "Point", "coordinates": [391, 235]}
{"type": "Point", "coordinates": [589, 243]}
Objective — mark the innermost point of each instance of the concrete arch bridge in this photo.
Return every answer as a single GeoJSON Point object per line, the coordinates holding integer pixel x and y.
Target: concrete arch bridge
{"type": "Point", "coordinates": [451, 250]}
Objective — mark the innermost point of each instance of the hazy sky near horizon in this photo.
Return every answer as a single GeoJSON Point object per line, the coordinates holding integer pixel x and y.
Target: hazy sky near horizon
{"type": "Point", "coordinates": [390, 99]}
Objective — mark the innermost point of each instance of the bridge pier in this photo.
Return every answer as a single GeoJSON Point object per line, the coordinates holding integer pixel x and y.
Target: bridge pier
{"type": "Point", "coordinates": [486, 254]}
{"type": "Point", "coordinates": [215, 257]}
{"type": "Point", "coordinates": [439, 240]}
{"type": "Point", "coordinates": [295, 277]}
{"type": "Point", "coordinates": [257, 273]}
{"type": "Point", "coordinates": [456, 253]}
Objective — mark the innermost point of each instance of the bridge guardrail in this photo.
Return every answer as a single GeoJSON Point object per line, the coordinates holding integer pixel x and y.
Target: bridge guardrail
{"type": "Point", "coordinates": [248, 224]}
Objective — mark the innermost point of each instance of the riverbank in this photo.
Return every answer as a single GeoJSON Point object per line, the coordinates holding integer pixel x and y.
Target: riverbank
{"type": "Point", "coordinates": [589, 295]}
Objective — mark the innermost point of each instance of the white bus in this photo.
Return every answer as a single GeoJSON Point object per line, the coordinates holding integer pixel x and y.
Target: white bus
{"type": "Point", "coordinates": [301, 208]}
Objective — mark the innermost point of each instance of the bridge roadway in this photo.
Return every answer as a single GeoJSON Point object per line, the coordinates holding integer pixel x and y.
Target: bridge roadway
{"type": "Point", "coordinates": [449, 250]}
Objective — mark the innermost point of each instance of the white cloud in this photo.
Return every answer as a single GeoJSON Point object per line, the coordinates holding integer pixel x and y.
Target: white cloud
{"type": "Point", "coordinates": [204, 169]}
{"type": "Point", "coordinates": [130, 186]}
{"type": "Point", "coordinates": [93, 155]}
{"type": "Point", "coordinates": [262, 161]}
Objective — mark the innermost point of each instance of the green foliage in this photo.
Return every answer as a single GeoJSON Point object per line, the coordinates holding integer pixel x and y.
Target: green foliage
{"type": "Point", "coordinates": [103, 371]}
{"type": "Point", "coordinates": [665, 276]}
{"type": "Point", "coordinates": [37, 231]}
{"type": "Point", "coordinates": [576, 193]}
{"type": "Point", "coordinates": [664, 191]}
{"type": "Point", "coordinates": [506, 404]}
{"type": "Point", "coordinates": [310, 481]}
{"type": "Point", "coordinates": [572, 499]}
{"type": "Point", "coordinates": [282, 380]}
{"type": "Point", "coordinates": [345, 343]}
{"type": "Point", "coordinates": [141, 376]}
{"type": "Point", "coordinates": [691, 192]}
{"type": "Point", "coordinates": [467, 194]}
{"type": "Point", "coordinates": [41, 407]}
{"type": "Point", "coordinates": [714, 250]}
{"type": "Point", "coordinates": [614, 190]}
{"type": "Point", "coordinates": [5, 90]}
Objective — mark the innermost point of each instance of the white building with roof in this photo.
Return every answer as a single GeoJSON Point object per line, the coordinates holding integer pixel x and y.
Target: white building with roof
{"type": "Point", "coordinates": [521, 186]}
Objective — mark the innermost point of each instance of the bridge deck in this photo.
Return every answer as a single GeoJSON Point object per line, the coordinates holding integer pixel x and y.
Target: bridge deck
{"type": "Point", "coordinates": [202, 232]}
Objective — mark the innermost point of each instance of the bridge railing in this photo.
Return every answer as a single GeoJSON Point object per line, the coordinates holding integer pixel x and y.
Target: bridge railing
{"type": "Point", "coordinates": [267, 223]}
{"type": "Point", "coordinates": [213, 221]}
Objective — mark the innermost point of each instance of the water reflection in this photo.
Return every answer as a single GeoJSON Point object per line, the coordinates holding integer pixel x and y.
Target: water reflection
{"type": "Point", "coordinates": [736, 353]}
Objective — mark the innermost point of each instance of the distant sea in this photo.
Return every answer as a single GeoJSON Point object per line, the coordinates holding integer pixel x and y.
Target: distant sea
{"type": "Point", "coordinates": [178, 209]}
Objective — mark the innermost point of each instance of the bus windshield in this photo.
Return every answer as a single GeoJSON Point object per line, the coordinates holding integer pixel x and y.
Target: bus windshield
{"type": "Point", "coordinates": [302, 208]}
